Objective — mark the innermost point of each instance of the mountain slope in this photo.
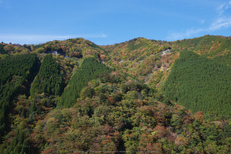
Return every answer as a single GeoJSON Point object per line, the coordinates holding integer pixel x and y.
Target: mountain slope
{"type": "Point", "coordinates": [89, 69]}
{"type": "Point", "coordinates": [49, 79]}
{"type": "Point", "coordinates": [121, 115]}
{"type": "Point", "coordinates": [15, 72]}
{"type": "Point", "coordinates": [200, 84]}
{"type": "Point", "coordinates": [215, 47]}
{"type": "Point", "coordinates": [139, 57]}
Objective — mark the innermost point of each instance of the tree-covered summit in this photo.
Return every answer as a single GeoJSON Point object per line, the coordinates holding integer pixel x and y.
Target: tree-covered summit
{"type": "Point", "coordinates": [78, 47]}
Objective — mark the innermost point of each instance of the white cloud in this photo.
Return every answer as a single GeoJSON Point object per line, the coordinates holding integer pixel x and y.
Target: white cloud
{"type": "Point", "coordinates": [223, 7]}
{"type": "Point", "coordinates": [182, 35]}
{"type": "Point", "coordinates": [28, 39]}
{"type": "Point", "coordinates": [220, 23]}
{"type": "Point", "coordinates": [228, 5]}
{"type": "Point", "coordinates": [220, 9]}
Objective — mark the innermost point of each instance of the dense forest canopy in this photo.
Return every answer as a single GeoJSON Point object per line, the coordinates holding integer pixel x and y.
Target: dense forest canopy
{"type": "Point", "coordinates": [49, 79]}
{"type": "Point", "coordinates": [78, 47]}
{"type": "Point", "coordinates": [140, 95]}
{"type": "Point", "coordinates": [15, 72]}
{"type": "Point", "coordinates": [2, 51]}
{"type": "Point", "coordinates": [200, 84]}
{"type": "Point", "coordinates": [89, 70]}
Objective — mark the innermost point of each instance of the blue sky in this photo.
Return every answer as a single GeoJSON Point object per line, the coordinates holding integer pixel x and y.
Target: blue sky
{"type": "Point", "coordinates": [112, 21]}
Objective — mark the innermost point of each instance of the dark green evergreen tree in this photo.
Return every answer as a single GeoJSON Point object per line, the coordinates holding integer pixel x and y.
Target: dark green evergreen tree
{"type": "Point", "coordinates": [200, 84]}
{"type": "Point", "coordinates": [49, 79]}
{"type": "Point", "coordinates": [88, 71]}
{"type": "Point", "coordinates": [15, 72]}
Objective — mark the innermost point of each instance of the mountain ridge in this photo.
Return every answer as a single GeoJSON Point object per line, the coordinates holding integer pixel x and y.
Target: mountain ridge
{"type": "Point", "coordinates": [132, 105]}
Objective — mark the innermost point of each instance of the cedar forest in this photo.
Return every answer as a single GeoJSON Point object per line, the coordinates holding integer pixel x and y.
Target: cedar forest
{"type": "Point", "coordinates": [138, 96]}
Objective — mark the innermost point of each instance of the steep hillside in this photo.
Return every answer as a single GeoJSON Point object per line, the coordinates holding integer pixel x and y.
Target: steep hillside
{"type": "Point", "coordinates": [200, 84]}
{"type": "Point", "coordinates": [139, 57]}
{"type": "Point", "coordinates": [214, 47]}
{"type": "Point", "coordinates": [15, 72]}
{"type": "Point", "coordinates": [89, 70]}
{"type": "Point", "coordinates": [49, 79]}
{"type": "Point", "coordinates": [151, 60]}
{"type": "Point", "coordinates": [122, 115]}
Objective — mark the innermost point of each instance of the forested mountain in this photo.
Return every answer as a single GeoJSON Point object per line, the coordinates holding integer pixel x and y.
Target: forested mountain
{"type": "Point", "coordinates": [140, 95]}
{"type": "Point", "coordinates": [150, 60]}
